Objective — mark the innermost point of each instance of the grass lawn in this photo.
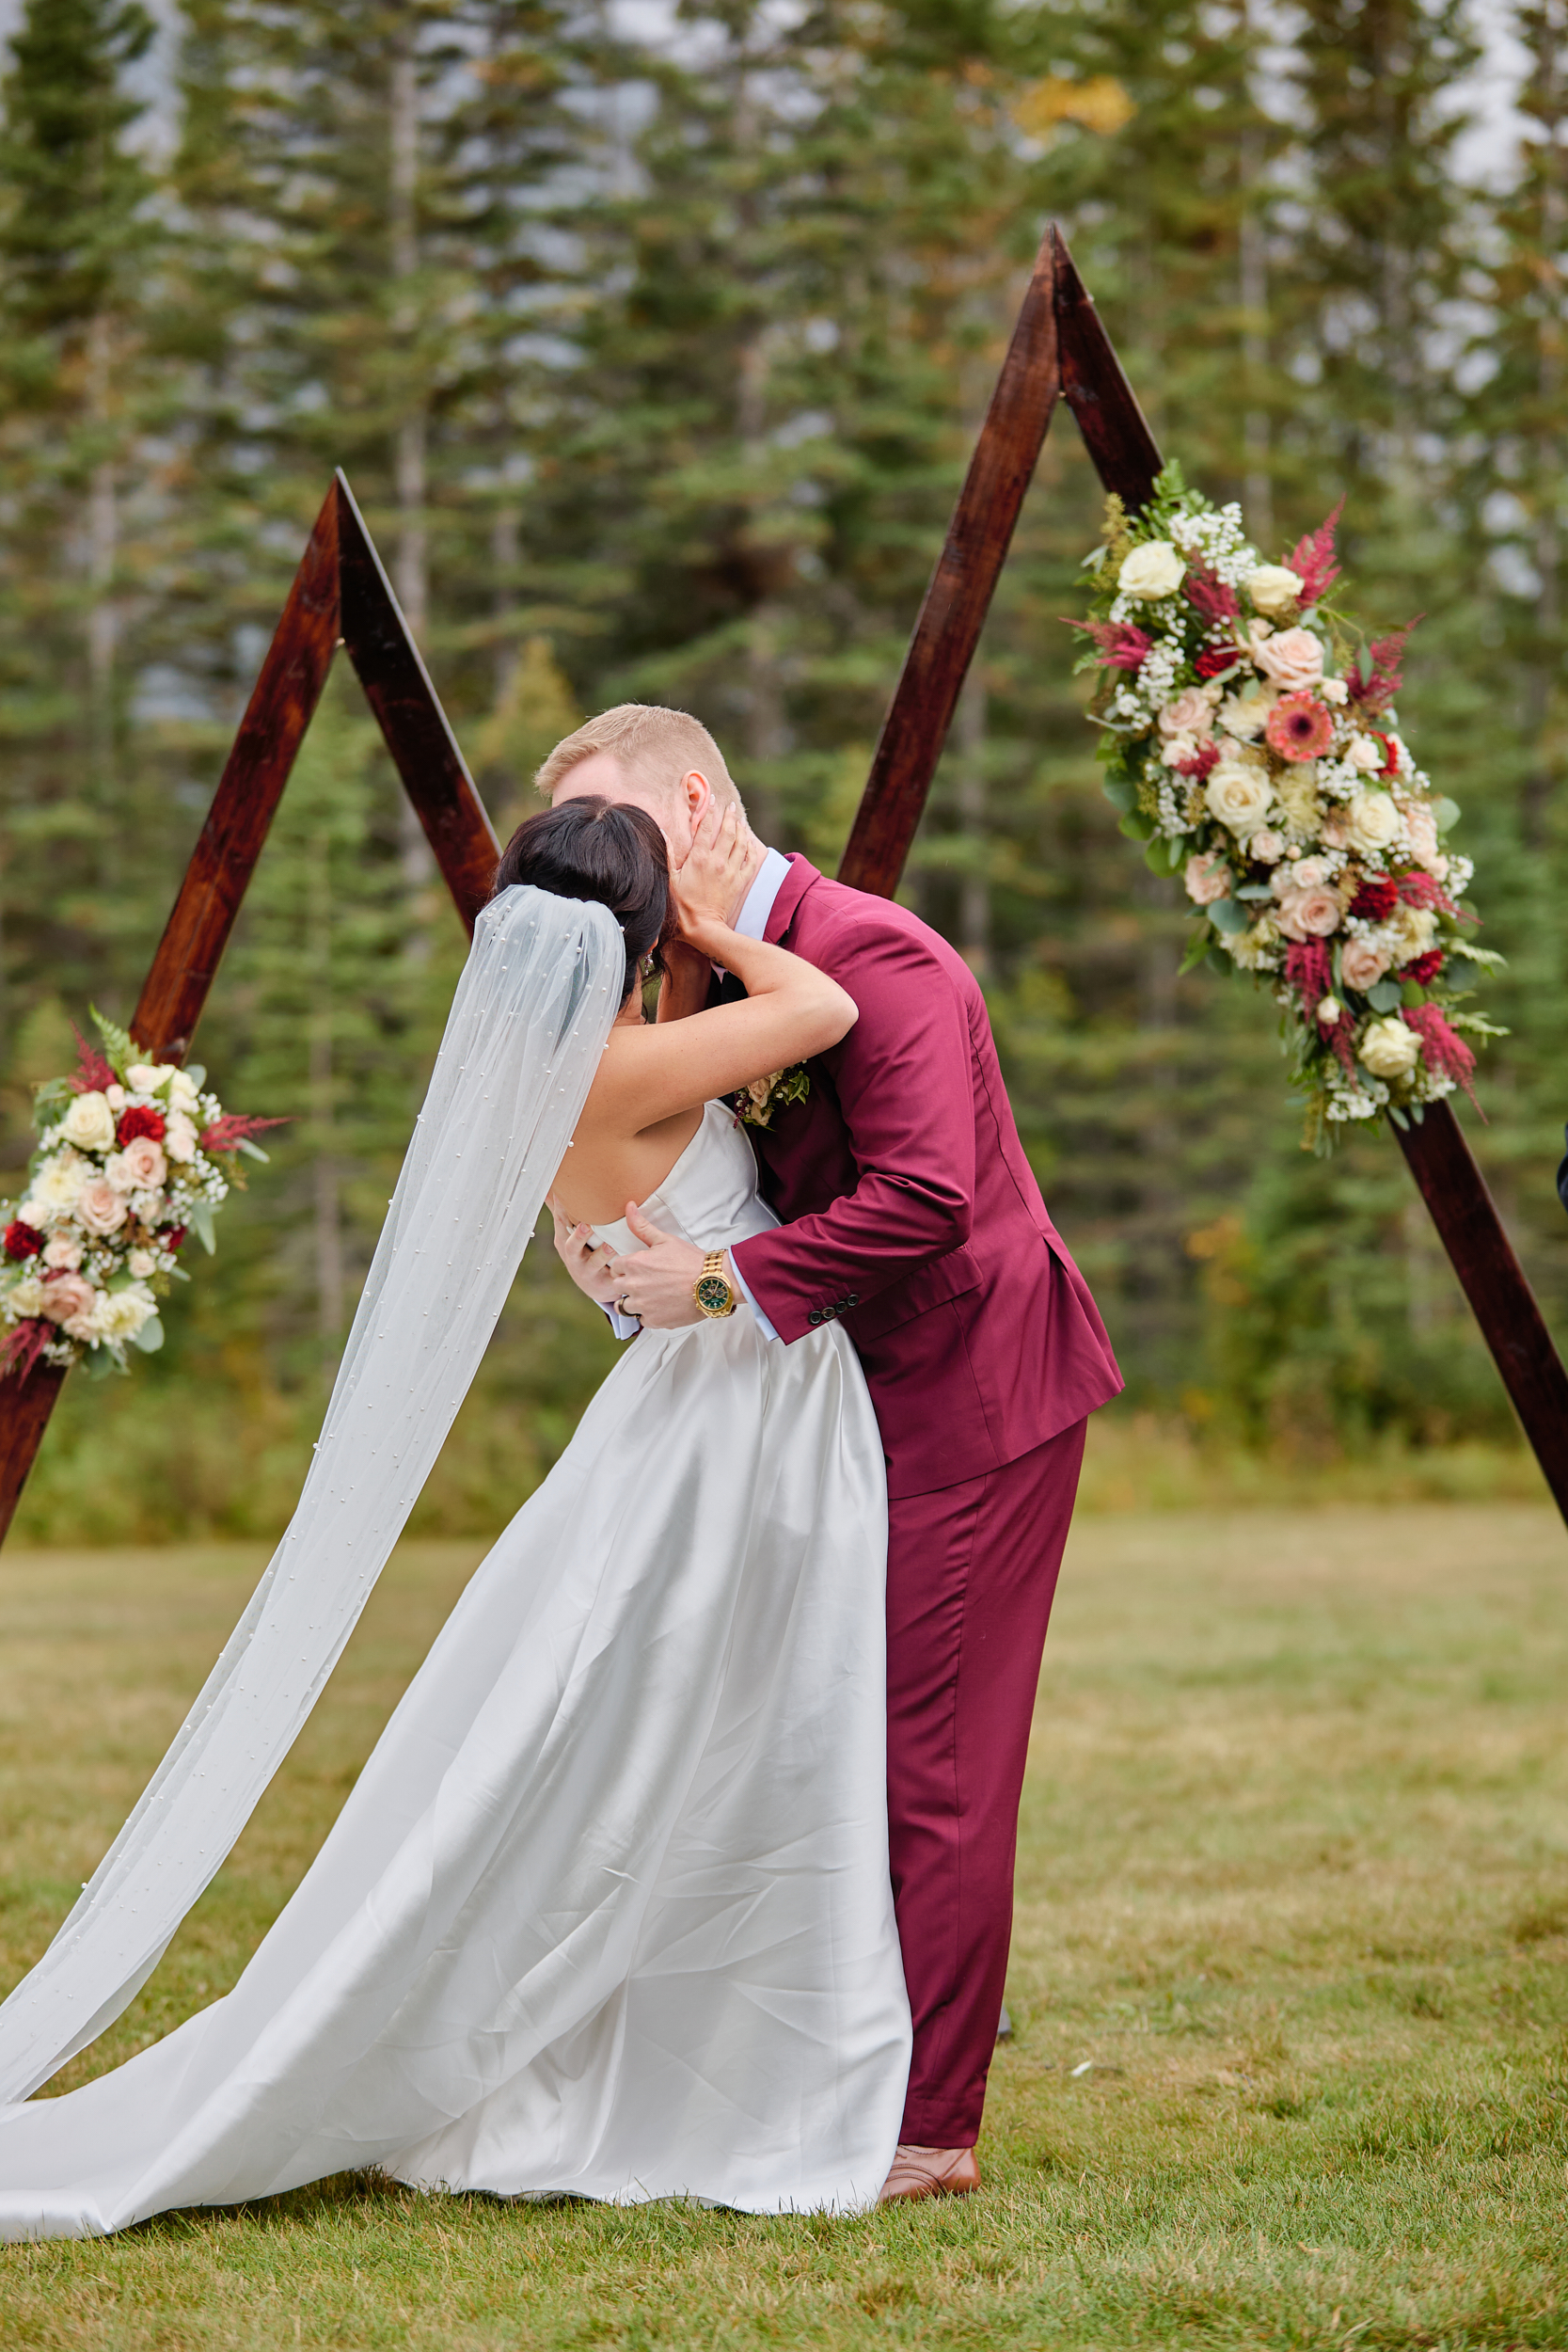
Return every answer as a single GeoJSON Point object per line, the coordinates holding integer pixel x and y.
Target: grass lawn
{"type": "Point", "coordinates": [1289, 1976]}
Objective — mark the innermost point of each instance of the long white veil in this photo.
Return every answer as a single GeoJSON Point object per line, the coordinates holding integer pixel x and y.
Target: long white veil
{"type": "Point", "coordinates": [530, 1018]}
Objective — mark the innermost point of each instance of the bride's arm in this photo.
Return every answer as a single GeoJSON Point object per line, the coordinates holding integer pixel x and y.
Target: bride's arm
{"type": "Point", "coordinates": [687, 975]}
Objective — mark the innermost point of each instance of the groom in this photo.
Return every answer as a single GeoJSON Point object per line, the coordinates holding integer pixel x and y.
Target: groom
{"type": "Point", "coordinates": [909, 1212]}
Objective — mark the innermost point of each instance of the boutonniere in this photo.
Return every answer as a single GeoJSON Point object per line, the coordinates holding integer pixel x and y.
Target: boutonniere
{"type": "Point", "coordinates": [755, 1105]}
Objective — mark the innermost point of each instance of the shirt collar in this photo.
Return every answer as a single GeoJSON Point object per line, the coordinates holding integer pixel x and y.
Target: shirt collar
{"type": "Point", "coordinates": [772, 875]}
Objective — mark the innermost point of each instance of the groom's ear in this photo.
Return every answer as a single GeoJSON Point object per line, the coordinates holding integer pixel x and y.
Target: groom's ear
{"type": "Point", "coordinates": [697, 793]}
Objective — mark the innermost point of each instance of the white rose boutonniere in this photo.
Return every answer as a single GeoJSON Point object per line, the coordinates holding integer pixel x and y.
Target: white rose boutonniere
{"type": "Point", "coordinates": [1153, 570]}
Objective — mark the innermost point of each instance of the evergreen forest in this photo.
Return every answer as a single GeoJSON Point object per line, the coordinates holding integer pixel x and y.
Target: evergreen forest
{"type": "Point", "coordinates": [653, 339]}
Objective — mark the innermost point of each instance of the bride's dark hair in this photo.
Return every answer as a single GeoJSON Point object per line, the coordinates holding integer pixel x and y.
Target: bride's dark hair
{"type": "Point", "coordinates": [605, 850]}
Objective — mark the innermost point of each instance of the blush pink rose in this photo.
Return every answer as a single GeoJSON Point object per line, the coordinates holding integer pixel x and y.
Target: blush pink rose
{"type": "Point", "coordinates": [1309, 913]}
{"type": "Point", "coordinates": [1269, 848]}
{"type": "Point", "coordinates": [1207, 878]}
{"type": "Point", "coordinates": [1421, 825]}
{"type": "Point", "coordinates": [100, 1207]}
{"type": "Point", "coordinates": [140, 1167]}
{"type": "Point", "coordinates": [1292, 659]}
{"type": "Point", "coordinates": [67, 1296]}
{"type": "Point", "coordinates": [1190, 713]}
{"type": "Point", "coordinates": [1361, 964]}
{"type": "Point", "coordinates": [63, 1251]}
{"type": "Point", "coordinates": [1308, 873]}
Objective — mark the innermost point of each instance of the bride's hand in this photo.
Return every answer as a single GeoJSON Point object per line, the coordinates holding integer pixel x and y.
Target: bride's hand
{"type": "Point", "coordinates": [586, 1261]}
{"type": "Point", "coordinates": [704, 888]}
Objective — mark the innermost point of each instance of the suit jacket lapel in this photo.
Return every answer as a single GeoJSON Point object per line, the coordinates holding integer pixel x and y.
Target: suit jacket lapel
{"type": "Point", "coordinates": [802, 875]}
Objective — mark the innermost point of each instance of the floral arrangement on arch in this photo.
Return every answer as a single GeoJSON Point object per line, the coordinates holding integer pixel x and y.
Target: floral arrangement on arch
{"type": "Point", "coordinates": [132, 1157]}
{"type": "Point", "coordinates": [1250, 741]}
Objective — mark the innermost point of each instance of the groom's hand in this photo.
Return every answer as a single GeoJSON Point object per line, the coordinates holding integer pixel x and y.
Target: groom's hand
{"type": "Point", "coordinates": [657, 1281]}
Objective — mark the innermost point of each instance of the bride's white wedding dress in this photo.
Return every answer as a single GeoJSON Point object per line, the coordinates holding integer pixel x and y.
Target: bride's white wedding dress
{"type": "Point", "coordinates": [607, 1911]}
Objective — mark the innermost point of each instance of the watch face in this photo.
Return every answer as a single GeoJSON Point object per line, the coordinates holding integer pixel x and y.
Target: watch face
{"type": "Point", "coordinates": [713, 1293]}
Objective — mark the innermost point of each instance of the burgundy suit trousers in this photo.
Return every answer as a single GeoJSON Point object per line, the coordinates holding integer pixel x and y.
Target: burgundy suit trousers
{"type": "Point", "coordinates": [972, 1573]}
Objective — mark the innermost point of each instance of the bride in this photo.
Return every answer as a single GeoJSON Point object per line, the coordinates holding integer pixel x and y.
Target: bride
{"type": "Point", "coordinates": [607, 1912]}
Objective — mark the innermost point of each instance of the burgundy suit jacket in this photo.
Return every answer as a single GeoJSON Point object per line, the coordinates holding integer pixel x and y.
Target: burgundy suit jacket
{"type": "Point", "coordinates": [910, 1211]}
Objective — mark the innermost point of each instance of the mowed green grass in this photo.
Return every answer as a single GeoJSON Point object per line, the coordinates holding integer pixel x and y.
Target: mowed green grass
{"type": "Point", "coordinates": [1288, 1977]}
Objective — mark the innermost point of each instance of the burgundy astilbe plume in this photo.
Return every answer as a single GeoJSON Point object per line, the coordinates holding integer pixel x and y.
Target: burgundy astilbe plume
{"type": "Point", "coordinates": [1309, 970]}
{"type": "Point", "coordinates": [1387, 656]}
{"type": "Point", "coordinates": [1313, 562]}
{"type": "Point", "coordinates": [1419, 889]}
{"type": "Point", "coordinates": [1443, 1049]}
{"type": "Point", "coordinates": [1122, 646]}
{"type": "Point", "coordinates": [1209, 595]}
{"type": "Point", "coordinates": [93, 1072]}
{"type": "Point", "coordinates": [24, 1343]}
{"type": "Point", "coordinates": [234, 1128]}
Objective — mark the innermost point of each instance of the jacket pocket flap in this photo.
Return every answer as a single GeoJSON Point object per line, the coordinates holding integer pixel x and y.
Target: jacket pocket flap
{"type": "Point", "coordinates": [916, 1295]}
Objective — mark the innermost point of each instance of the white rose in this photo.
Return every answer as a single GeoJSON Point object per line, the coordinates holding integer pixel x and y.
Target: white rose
{"type": "Point", "coordinates": [89, 1123]}
{"type": "Point", "coordinates": [1390, 1048]}
{"type": "Point", "coordinates": [1372, 822]}
{"type": "Point", "coordinates": [33, 1213]}
{"type": "Point", "coordinates": [1421, 826]}
{"type": "Point", "coordinates": [142, 1263]}
{"type": "Point", "coordinates": [1410, 931]}
{"type": "Point", "coordinates": [1364, 752]}
{"type": "Point", "coordinates": [26, 1297]}
{"type": "Point", "coordinates": [119, 1315]}
{"type": "Point", "coordinates": [1246, 716]}
{"type": "Point", "coordinates": [115, 1097]}
{"type": "Point", "coordinates": [1174, 749]}
{"type": "Point", "coordinates": [1239, 797]}
{"type": "Point", "coordinates": [56, 1187]}
{"type": "Point", "coordinates": [183, 1092]}
{"type": "Point", "coordinates": [1308, 873]}
{"type": "Point", "coordinates": [147, 1076]}
{"type": "Point", "coordinates": [1153, 570]}
{"type": "Point", "coordinates": [1332, 690]}
{"type": "Point", "coordinates": [1269, 847]}
{"type": "Point", "coordinates": [179, 1136]}
{"type": "Point", "coordinates": [1330, 1010]}
{"type": "Point", "coordinates": [1273, 588]}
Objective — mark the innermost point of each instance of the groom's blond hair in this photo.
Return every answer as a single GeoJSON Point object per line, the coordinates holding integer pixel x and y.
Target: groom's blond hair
{"type": "Point", "coordinates": [656, 745]}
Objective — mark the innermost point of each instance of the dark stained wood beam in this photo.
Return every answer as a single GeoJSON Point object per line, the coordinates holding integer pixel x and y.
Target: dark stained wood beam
{"type": "Point", "coordinates": [1494, 1282]}
{"type": "Point", "coordinates": [960, 591]}
{"type": "Point", "coordinates": [398, 688]}
{"type": "Point", "coordinates": [282, 704]}
{"type": "Point", "coordinates": [340, 594]}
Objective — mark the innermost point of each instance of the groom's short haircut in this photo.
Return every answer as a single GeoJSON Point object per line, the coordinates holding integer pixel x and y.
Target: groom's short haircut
{"type": "Point", "coordinates": [656, 744]}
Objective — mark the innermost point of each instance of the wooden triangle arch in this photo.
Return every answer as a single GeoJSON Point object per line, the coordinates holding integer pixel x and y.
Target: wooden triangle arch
{"type": "Point", "coordinates": [342, 594]}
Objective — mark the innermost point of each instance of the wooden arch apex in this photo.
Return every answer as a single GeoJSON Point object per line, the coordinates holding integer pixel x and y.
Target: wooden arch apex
{"type": "Point", "coordinates": [341, 596]}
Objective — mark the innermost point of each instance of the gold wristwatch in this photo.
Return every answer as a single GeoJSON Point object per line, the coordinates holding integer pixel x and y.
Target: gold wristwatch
{"type": "Point", "coordinates": [711, 1290]}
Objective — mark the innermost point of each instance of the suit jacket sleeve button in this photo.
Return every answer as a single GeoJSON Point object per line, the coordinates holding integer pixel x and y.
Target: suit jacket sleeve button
{"type": "Point", "coordinates": [815, 1316]}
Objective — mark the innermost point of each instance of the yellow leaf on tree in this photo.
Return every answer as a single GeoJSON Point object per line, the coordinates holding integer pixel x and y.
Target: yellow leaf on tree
{"type": "Point", "coordinates": [1100, 104]}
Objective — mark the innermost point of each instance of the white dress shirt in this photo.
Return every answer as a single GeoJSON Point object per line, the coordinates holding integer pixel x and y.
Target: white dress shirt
{"type": "Point", "coordinates": [750, 923]}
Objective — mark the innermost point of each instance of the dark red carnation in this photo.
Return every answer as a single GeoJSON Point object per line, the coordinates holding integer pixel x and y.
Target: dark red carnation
{"type": "Point", "coordinates": [1376, 899]}
{"type": "Point", "coordinates": [139, 1122]}
{"type": "Point", "coordinates": [1214, 659]}
{"type": "Point", "coordinates": [1424, 969]}
{"type": "Point", "coordinates": [1206, 757]}
{"type": "Point", "coordinates": [21, 1241]}
{"type": "Point", "coordinates": [1390, 756]}
{"type": "Point", "coordinates": [172, 1236]}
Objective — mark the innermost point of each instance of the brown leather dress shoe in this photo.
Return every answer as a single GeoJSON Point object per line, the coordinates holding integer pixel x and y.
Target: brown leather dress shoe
{"type": "Point", "coordinates": [930, 2172]}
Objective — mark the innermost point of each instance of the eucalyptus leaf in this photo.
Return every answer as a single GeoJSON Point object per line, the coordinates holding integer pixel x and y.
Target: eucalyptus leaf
{"type": "Point", "coordinates": [101, 1365]}
{"type": "Point", "coordinates": [253, 1150]}
{"type": "Point", "coordinates": [1446, 813]}
{"type": "Point", "coordinates": [196, 1073]}
{"type": "Point", "coordinates": [1120, 793]}
{"type": "Point", "coordinates": [202, 1226]}
{"type": "Point", "coordinates": [1384, 995]}
{"type": "Point", "coordinates": [150, 1338]}
{"type": "Point", "coordinates": [1219, 962]}
{"type": "Point", "coordinates": [1136, 826]}
{"type": "Point", "coordinates": [1228, 917]}
{"type": "Point", "coordinates": [1252, 890]}
{"type": "Point", "coordinates": [1157, 857]}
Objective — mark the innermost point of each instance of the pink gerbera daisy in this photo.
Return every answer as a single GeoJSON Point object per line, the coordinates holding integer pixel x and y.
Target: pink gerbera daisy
{"type": "Point", "coordinates": [1300, 727]}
